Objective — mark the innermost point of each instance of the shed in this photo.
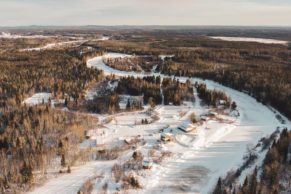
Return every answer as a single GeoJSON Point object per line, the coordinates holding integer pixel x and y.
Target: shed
{"type": "Point", "coordinates": [166, 137]}
{"type": "Point", "coordinates": [187, 127]}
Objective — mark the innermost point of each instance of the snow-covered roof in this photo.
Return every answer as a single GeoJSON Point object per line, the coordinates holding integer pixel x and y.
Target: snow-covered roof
{"type": "Point", "coordinates": [187, 126]}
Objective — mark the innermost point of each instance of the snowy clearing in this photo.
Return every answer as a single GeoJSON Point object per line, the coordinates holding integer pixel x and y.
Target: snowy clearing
{"type": "Point", "coordinates": [56, 45]}
{"type": "Point", "coordinates": [162, 57]}
{"type": "Point", "coordinates": [5, 35]}
{"type": "Point", "coordinates": [62, 44]}
{"type": "Point", "coordinates": [37, 98]}
{"type": "Point", "coordinates": [103, 38]}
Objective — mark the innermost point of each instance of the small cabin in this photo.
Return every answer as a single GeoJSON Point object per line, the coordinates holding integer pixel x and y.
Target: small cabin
{"type": "Point", "coordinates": [213, 114]}
{"type": "Point", "coordinates": [167, 137]}
{"type": "Point", "coordinates": [187, 127]}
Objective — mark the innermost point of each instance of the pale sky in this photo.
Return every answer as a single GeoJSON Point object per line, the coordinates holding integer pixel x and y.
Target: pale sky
{"type": "Point", "coordinates": [145, 12]}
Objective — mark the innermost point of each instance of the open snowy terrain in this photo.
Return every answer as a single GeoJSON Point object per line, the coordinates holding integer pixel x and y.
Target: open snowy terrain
{"type": "Point", "coordinates": [245, 39]}
{"type": "Point", "coordinates": [62, 44]}
{"type": "Point", "coordinates": [197, 159]}
{"type": "Point", "coordinates": [57, 45]}
{"type": "Point", "coordinates": [17, 36]}
{"type": "Point", "coordinates": [37, 98]}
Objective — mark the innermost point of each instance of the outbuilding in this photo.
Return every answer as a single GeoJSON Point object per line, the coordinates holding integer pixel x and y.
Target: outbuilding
{"type": "Point", "coordinates": [187, 127]}
{"type": "Point", "coordinates": [167, 137]}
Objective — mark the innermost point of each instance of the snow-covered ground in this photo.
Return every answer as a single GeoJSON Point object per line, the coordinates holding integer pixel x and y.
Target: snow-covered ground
{"type": "Point", "coordinates": [56, 45]}
{"type": "Point", "coordinates": [61, 44]}
{"type": "Point", "coordinates": [162, 57]}
{"type": "Point", "coordinates": [245, 39]}
{"type": "Point", "coordinates": [37, 98]}
{"type": "Point", "coordinates": [17, 36]}
{"type": "Point", "coordinates": [198, 158]}
{"type": "Point", "coordinates": [71, 183]}
{"type": "Point", "coordinates": [103, 38]}
{"type": "Point", "coordinates": [42, 97]}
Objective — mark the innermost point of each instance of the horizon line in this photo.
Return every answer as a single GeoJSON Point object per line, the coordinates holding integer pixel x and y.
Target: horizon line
{"type": "Point", "coordinates": [147, 25]}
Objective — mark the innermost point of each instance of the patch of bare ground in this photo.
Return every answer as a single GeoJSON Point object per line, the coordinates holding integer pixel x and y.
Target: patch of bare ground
{"type": "Point", "coordinates": [127, 173]}
{"type": "Point", "coordinates": [124, 173]}
{"type": "Point", "coordinates": [158, 156]}
{"type": "Point", "coordinates": [115, 152]}
{"type": "Point", "coordinates": [112, 154]}
{"type": "Point", "coordinates": [87, 187]}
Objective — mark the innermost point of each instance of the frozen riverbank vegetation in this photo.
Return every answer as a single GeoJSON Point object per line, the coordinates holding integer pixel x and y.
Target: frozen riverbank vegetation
{"type": "Point", "coordinates": [271, 174]}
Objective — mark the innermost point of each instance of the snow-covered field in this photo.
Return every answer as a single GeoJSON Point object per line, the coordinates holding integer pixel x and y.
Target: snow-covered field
{"type": "Point", "coordinates": [198, 158]}
{"type": "Point", "coordinates": [165, 56]}
{"type": "Point", "coordinates": [61, 44]}
{"type": "Point", "coordinates": [56, 45]}
{"type": "Point", "coordinates": [245, 39]}
{"type": "Point", "coordinates": [37, 98]}
{"type": "Point", "coordinates": [17, 36]}
{"type": "Point", "coordinates": [103, 38]}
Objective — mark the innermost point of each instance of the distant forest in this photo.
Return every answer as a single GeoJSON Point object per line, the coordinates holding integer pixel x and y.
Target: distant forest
{"type": "Point", "coordinates": [263, 71]}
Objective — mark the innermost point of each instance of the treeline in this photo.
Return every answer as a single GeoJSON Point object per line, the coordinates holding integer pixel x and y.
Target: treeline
{"type": "Point", "coordinates": [271, 88]}
{"type": "Point", "coordinates": [31, 138]}
{"type": "Point", "coordinates": [264, 73]}
{"type": "Point", "coordinates": [272, 177]}
{"type": "Point", "coordinates": [213, 97]}
{"type": "Point", "coordinates": [133, 63]}
{"type": "Point", "coordinates": [170, 90]}
{"type": "Point", "coordinates": [176, 92]}
{"type": "Point", "coordinates": [150, 90]}
{"type": "Point", "coordinates": [147, 86]}
{"type": "Point", "coordinates": [262, 70]}
{"type": "Point", "coordinates": [125, 63]}
{"type": "Point", "coordinates": [108, 103]}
